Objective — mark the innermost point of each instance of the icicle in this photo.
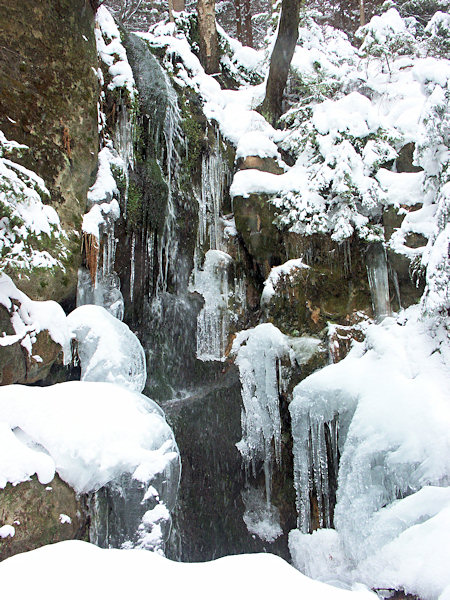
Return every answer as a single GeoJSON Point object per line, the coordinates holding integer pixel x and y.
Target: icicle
{"type": "Point", "coordinates": [132, 266]}
{"type": "Point", "coordinates": [315, 427]}
{"type": "Point", "coordinates": [378, 280]}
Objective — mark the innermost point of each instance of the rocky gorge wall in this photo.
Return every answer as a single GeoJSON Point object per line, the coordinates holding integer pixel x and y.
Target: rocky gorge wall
{"type": "Point", "coordinates": [48, 101]}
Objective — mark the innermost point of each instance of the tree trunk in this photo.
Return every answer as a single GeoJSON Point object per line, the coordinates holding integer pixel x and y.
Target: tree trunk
{"type": "Point", "coordinates": [209, 43]}
{"type": "Point", "coordinates": [280, 61]}
{"type": "Point", "coordinates": [248, 24]}
{"type": "Point", "coordinates": [237, 8]}
{"type": "Point", "coordinates": [178, 5]}
{"type": "Point", "coordinates": [362, 17]}
{"type": "Point", "coordinates": [171, 19]}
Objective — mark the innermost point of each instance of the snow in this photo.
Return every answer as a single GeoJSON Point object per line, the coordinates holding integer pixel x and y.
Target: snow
{"type": "Point", "coordinates": [107, 349]}
{"type": "Point", "coordinates": [64, 519]}
{"type": "Point", "coordinates": [7, 531]}
{"type": "Point", "coordinates": [25, 217]}
{"type": "Point", "coordinates": [117, 574]}
{"type": "Point", "coordinates": [404, 189]}
{"type": "Point", "coordinates": [112, 52]}
{"type": "Point", "coordinates": [89, 433]}
{"type": "Point", "coordinates": [101, 195]}
{"type": "Point", "coordinates": [30, 317]}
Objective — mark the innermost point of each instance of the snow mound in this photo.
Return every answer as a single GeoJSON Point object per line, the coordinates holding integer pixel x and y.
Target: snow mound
{"type": "Point", "coordinates": [118, 574]}
{"type": "Point", "coordinates": [107, 349]}
{"type": "Point", "coordinates": [89, 433]}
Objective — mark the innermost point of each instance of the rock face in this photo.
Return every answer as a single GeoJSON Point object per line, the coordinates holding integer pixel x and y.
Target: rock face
{"type": "Point", "coordinates": [48, 101]}
{"type": "Point", "coordinates": [40, 514]}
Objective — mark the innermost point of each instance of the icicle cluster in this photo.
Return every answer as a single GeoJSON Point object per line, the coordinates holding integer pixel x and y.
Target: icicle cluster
{"type": "Point", "coordinates": [258, 355]}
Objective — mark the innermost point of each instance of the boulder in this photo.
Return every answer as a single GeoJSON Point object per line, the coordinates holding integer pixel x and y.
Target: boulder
{"type": "Point", "coordinates": [40, 515]}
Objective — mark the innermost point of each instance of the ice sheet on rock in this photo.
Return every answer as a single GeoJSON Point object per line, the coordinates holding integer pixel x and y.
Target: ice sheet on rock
{"type": "Point", "coordinates": [107, 349]}
{"type": "Point", "coordinates": [211, 281]}
{"type": "Point", "coordinates": [105, 292]}
{"type": "Point", "coordinates": [377, 274]}
{"type": "Point", "coordinates": [258, 353]}
{"type": "Point", "coordinates": [391, 393]}
{"type": "Point", "coordinates": [91, 433]}
{"type": "Point", "coordinates": [29, 317]}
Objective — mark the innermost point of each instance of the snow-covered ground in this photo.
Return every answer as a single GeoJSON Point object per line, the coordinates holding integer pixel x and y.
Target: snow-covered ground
{"type": "Point", "coordinates": [77, 569]}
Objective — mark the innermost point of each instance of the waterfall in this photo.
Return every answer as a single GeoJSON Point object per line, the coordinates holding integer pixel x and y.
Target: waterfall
{"type": "Point", "coordinates": [377, 273]}
{"type": "Point", "coordinates": [168, 244]}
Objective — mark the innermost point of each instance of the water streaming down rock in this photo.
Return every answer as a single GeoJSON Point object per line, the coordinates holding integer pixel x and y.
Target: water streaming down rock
{"type": "Point", "coordinates": [377, 273]}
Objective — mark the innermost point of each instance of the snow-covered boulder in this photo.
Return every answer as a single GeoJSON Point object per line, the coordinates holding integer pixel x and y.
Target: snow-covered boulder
{"type": "Point", "coordinates": [33, 335]}
{"type": "Point", "coordinates": [107, 349]}
{"type": "Point", "coordinates": [94, 435]}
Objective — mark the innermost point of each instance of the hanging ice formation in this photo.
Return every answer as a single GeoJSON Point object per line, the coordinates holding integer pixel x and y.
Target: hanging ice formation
{"type": "Point", "coordinates": [134, 511]}
{"type": "Point", "coordinates": [99, 284]}
{"type": "Point", "coordinates": [259, 352]}
{"type": "Point", "coordinates": [320, 420]}
{"type": "Point", "coordinates": [212, 322]}
{"type": "Point", "coordinates": [377, 273]}
{"type": "Point", "coordinates": [210, 277]}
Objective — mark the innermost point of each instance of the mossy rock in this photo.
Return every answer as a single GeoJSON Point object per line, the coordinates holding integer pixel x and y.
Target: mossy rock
{"type": "Point", "coordinates": [38, 514]}
{"type": "Point", "coordinates": [254, 217]}
{"type": "Point", "coordinates": [49, 98]}
{"type": "Point", "coordinates": [307, 300]}
{"type": "Point", "coordinates": [269, 165]}
{"type": "Point", "coordinates": [332, 289]}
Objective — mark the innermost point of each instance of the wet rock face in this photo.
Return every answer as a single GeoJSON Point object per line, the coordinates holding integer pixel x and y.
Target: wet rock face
{"type": "Point", "coordinates": [17, 365]}
{"type": "Point", "coordinates": [40, 514]}
{"type": "Point", "coordinates": [48, 101]}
